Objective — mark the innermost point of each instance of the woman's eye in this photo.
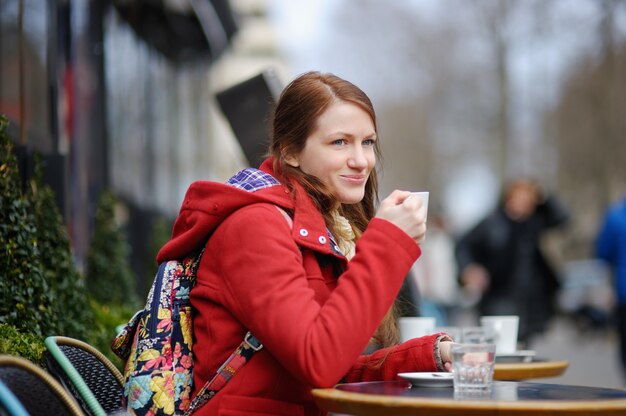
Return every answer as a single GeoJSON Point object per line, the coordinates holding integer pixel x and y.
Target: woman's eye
{"type": "Point", "coordinates": [369, 142]}
{"type": "Point", "coordinates": [339, 141]}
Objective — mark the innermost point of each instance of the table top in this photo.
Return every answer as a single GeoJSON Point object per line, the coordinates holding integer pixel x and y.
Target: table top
{"type": "Point", "coordinates": [527, 370]}
{"type": "Point", "coordinates": [507, 397]}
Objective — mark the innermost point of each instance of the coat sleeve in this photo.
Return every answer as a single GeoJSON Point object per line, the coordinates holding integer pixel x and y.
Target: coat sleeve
{"type": "Point", "coordinates": [413, 355]}
{"type": "Point", "coordinates": [268, 291]}
{"type": "Point", "coordinates": [553, 212]}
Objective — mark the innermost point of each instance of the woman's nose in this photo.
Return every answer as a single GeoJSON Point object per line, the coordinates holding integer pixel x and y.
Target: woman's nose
{"type": "Point", "coordinates": [357, 158]}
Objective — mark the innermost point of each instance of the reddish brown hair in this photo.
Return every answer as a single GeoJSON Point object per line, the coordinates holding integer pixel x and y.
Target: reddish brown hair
{"type": "Point", "coordinates": [295, 118]}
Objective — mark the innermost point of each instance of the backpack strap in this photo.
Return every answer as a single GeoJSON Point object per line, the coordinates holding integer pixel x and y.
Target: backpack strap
{"type": "Point", "coordinates": [248, 347]}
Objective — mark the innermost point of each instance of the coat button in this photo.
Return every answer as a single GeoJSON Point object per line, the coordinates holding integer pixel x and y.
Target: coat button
{"type": "Point", "coordinates": [304, 232]}
{"type": "Point", "coordinates": [322, 239]}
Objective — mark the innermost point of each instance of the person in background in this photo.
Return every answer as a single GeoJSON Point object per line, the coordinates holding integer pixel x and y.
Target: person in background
{"type": "Point", "coordinates": [611, 247]}
{"type": "Point", "coordinates": [501, 262]}
{"type": "Point", "coordinates": [300, 256]}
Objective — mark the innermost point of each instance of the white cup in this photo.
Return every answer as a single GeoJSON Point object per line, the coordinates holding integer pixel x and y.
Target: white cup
{"type": "Point", "coordinates": [504, 329]}
{"type": "Point", "coordinates": [414, 327]}
{"type": "Point", "coordinates": [424, 197]}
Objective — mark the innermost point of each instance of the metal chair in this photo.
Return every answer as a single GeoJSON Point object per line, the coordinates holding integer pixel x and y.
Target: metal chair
{"type": "Point", "coordinates": [37, 391]}
{"type": "Point", "coordinates": [91, 377]}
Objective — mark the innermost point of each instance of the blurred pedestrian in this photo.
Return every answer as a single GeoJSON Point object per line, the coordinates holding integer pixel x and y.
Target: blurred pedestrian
{"type": "Point", "coordinates": [501, 262]}
{"type": "Point", "coordinates": [611, 247]}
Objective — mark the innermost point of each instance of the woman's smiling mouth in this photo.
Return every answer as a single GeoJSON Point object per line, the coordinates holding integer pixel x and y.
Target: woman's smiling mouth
{"type": "Point", "coordinates": [354, 179]}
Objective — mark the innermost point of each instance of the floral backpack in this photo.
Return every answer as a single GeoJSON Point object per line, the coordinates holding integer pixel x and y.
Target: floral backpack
{"type": "Point", "coordinates": [157, 346]}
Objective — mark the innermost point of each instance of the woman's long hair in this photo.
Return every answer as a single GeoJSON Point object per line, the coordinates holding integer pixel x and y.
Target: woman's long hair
{"type": "Point", "coordinates": [294, 120]}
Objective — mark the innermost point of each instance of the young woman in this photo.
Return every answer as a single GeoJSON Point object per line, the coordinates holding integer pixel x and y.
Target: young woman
{"type": "Point", "coordinates": [299, 256]}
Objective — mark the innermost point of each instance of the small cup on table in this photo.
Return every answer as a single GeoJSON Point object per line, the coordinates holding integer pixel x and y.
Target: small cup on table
{"type": "Point", "coordinates": [505, 329]}
{"type": "Point", "coordinates": [414, 327]}
{"type": "Point", "coordinates": [472, 367]}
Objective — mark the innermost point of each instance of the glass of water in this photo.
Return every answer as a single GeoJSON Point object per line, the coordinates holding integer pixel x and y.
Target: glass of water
{"type": "Point", "coordinates": [472, 367]}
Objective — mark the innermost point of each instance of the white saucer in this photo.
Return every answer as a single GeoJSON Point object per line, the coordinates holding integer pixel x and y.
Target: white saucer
{"type": "Point", "coordinates": [517, 356]}
{"type": "Point", "coordinates": [441, 379]}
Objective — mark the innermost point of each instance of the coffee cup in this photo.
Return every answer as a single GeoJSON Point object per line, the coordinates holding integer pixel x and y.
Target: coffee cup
{"type": "Point", "coordinates": [504, 328]}
{"type": "Point", "coordinates": [423, 195]}
{"type": "Point", "coordinates": [414, 327]}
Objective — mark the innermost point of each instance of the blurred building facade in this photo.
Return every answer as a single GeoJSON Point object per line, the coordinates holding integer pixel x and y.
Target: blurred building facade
{"type": "Point", "coordinates": [121, 95]}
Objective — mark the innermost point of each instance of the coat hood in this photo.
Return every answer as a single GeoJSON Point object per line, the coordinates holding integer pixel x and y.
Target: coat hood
{"type": "Point", "coordinates": [208, 203]}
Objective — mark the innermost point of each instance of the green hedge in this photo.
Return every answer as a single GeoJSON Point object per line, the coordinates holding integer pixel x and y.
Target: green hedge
{"type": "Point", "coordinates": [42, 291]}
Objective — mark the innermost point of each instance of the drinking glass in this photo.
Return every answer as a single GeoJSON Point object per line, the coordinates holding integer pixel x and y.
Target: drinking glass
{"type": "Point", "coordinates": [472, 367]}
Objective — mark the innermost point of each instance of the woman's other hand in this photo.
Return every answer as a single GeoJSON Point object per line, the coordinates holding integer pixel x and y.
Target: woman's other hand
{"type": "Point", "coordinates": [406, 213]}
{"type": "Point", "coordinates": [445, 349]}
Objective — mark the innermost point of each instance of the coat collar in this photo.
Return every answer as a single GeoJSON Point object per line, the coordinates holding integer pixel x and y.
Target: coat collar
{"type": "Point", "coordinates": [309, 229]}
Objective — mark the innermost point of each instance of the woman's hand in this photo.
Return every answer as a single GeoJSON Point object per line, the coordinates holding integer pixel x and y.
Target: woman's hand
{"type": "Point", "coordinates": [406, 213]}
{"type": "Point", "coordinates": [445, 349]}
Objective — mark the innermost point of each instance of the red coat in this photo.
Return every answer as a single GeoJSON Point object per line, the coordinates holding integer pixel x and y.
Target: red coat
{"type": "Point", "coordinates": [282, 284]}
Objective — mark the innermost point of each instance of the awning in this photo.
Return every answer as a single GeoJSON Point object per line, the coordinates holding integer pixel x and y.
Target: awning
{"type": "Point", "coordinates": [182, 30]}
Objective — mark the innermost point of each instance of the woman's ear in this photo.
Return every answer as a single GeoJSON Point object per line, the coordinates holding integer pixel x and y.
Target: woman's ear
{"type": "Point", "coordinates": [291, 160]}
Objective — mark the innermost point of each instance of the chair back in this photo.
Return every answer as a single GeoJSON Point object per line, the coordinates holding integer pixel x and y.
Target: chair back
{"type": "Point", "coordinates": [37, 391]}
{"type": "Point", "coordinates": [88, 374]}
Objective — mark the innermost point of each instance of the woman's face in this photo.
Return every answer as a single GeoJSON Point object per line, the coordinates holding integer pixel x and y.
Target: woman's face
{"type": "Point", "coordinates": [340, 151]}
